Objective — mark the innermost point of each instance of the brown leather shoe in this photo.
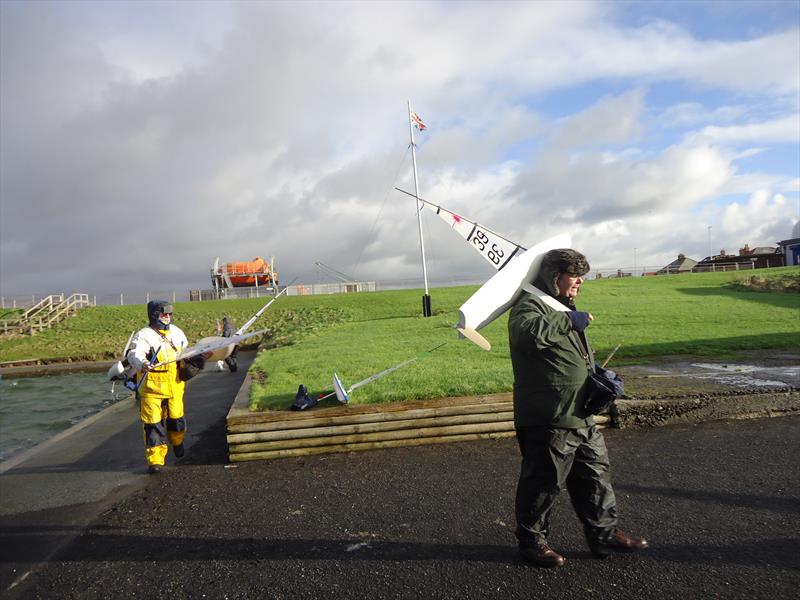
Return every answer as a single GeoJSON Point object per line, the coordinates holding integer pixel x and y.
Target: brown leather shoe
{"type": "Point", "coordinates": [541, 556]}
{"type": "Point", "coordinates": [617, 542]}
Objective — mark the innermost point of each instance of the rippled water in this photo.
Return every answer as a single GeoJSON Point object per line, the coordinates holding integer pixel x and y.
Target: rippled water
{"type": "Point", "coordinates": [33, 409]}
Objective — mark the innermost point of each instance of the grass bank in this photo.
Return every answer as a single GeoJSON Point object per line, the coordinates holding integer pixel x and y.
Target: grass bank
{"type": "Point", "coordinates": [100, 332]}
{"type": "Point", "coordinates": [693, 314]}
{"type": "Point", "coordinates": [356, 335]}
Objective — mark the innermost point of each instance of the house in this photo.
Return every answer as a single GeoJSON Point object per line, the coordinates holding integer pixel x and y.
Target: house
{"type": "Point", "coordinates": [761, 257]}
{"type": "Point", "coordinates": [790, 249]}
{"type": "Point", "coordinates": [682, 264]}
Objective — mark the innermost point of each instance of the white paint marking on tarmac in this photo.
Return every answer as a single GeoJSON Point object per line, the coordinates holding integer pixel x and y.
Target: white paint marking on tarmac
{"type": "Point", "coordinates": [358, 546]}
{"type": "Point", "coordinates": [19, 580]}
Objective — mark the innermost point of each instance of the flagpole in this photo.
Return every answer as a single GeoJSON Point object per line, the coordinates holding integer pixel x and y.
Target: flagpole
{"type": "Point", "coordinates": [426, 299]}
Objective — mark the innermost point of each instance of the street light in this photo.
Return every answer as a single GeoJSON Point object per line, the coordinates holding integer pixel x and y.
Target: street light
{"type": "Point", "coordinates": [634, 262]}
{"type": "Point", "coordinates": [710, 254]}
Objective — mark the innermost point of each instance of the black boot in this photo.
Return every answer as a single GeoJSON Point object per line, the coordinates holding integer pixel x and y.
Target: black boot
{"type": "Point", "coordinates": [541, 555]}
{"type": "Point", "coordinates": [616, 543]}
{"type": "Point", "coordinates": [302, 400]}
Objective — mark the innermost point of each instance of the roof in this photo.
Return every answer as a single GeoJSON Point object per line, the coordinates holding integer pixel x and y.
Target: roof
{"type": "Point", "coordinates": [682, 263]}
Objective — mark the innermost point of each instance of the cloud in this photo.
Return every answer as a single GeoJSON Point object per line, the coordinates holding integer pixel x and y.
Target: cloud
{"type": "Point", "coordinates": [762, 220]}
{"type": "Point", "coordinates": [692, 113]}
{"type": "Point", "coordinates": [785, 130]}
{"type": "Point", "coordinates": [136, 146]}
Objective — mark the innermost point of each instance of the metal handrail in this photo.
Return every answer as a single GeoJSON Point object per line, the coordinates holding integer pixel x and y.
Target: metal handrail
{"type": "Point", "coordinates": [33, 321]}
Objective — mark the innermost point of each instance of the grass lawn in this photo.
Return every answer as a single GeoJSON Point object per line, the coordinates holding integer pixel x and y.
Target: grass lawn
{"type": "Point", "coordinates": [100, 332]}
{"type": "Point", "coordinates": [698, 314]}
{"type": "Point", "coordinates": [357, 335]}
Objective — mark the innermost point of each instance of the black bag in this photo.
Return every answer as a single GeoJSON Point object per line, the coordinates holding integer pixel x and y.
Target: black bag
{"type": "Point", "coordinates": [189, 367]}
{"type": "Point", "coordinates": [605, 386]}
{"type": "Point", "coordinates": [302, 400]}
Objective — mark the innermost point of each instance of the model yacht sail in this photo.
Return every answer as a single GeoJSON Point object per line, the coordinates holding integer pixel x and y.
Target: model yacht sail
{"type": "Point", "coordinates": [516, 266]}
{"type": "Point", "coordinates": [493, 247]}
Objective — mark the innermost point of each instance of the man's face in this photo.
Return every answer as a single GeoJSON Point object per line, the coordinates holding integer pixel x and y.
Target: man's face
{"type": "Point", "coordinates": [165, 318]}
{"type": "Point", "coordinates": [569, 285]}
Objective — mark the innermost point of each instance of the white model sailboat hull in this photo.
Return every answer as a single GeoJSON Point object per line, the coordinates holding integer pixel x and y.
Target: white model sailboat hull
{"type": "Point", "coordinates": [498, 294]}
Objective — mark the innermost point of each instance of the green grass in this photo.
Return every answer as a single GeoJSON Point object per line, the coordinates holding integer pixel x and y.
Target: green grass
{"type": "Point", "coordinates": [356, 335]}
{"type": "Point", "coordinates": [100, 333]}
{"type": "Point", "coordinates": [693, 314]}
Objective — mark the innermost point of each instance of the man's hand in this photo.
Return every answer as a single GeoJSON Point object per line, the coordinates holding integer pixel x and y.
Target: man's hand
{"type": "Point", "coordinates": [580, 320]}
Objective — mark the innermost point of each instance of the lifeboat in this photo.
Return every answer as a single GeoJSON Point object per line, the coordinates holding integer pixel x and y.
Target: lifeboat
{"type": "Point", "coordinates": [256, 272]}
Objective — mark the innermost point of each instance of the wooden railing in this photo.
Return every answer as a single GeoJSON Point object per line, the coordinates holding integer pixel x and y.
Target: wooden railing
{"type": "Point", "coordinates": [44, 314]}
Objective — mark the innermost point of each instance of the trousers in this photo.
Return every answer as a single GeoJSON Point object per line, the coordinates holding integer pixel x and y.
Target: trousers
{"type": "Point", "coordinates": [162, 420]}
{"type": "Point", "coordinates": [554, 458]}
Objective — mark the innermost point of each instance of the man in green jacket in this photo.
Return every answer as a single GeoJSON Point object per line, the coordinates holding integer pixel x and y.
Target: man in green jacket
{"type": "Point", "coordinates": [560, 445]}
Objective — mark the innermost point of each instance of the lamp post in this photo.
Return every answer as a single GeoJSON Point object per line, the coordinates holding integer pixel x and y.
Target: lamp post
{"type": "Point", "coordinates": [710, 254]}
{"type": "Point", "coordinates": [634, 262]}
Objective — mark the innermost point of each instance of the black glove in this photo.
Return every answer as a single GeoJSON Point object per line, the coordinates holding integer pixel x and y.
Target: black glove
{"type": "Point", "coordinates": [198, 361]}
{"type": "Point", "coordinates": [189, 367]}
{"type": "Point", "coordinates": [579, 319]}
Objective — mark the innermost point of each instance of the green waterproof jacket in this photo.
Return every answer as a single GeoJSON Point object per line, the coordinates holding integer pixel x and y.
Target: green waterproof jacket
{"type": "Point", "coordinates": [552, 364]}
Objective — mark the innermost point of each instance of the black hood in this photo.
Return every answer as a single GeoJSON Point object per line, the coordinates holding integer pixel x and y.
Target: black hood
{"type": "Point", "coordinates": [154, 309]}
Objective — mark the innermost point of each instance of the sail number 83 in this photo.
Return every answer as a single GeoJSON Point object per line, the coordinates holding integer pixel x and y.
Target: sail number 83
{"type": "Point", "coordinates": [482, 241]}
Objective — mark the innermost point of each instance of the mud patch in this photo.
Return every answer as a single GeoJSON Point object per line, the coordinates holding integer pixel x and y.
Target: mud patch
{"type": "Point", "coordinates": [672, 378]}
{"type": "Point", "coordinates": [651, 413]}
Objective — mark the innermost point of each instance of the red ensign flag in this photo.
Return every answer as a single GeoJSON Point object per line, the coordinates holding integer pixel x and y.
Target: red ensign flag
{"type": "Point", "coordinates": [417, 122]}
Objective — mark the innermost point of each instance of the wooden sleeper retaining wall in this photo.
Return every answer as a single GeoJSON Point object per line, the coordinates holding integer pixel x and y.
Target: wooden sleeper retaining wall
{"type": "Point", "coordinates": [348, 428]}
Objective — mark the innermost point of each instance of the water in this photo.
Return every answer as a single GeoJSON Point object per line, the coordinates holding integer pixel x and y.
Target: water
{"type": "Point", "coordinates": [33, 409]}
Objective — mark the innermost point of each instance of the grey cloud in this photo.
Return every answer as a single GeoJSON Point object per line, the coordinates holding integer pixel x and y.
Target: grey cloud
{"type": "Point", "coordinates": [288, 134]}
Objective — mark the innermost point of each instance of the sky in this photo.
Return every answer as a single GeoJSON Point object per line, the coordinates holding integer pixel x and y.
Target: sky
{"type": "Point", "coordinates": [141, 140]}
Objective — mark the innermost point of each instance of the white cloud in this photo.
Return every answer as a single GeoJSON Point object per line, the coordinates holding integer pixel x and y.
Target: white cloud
{"type": "Point", "coordinates": [244, 129]}
{"type": "Point", "coordinates": [785, 130]}
{"type": "Point", "coordinates": [692, 113]}
{"type": "Point", "coordinates": [756, 220]}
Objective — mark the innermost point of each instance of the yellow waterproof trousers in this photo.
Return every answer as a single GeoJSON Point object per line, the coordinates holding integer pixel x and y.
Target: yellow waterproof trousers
{"type": "Point", "coordinates": [162, 420]}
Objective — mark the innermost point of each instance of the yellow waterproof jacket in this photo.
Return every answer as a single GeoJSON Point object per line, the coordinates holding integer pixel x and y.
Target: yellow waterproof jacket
{"type": "Point", "coordinates": [165, 345]}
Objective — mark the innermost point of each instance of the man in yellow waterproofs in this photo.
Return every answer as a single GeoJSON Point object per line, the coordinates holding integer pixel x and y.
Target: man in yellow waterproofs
{"type": "Point", "coordinates": [160, 388]}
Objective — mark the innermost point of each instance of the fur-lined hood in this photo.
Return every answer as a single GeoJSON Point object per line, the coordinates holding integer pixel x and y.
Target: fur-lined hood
{"type": "Point", "coordinates": [557, 262]}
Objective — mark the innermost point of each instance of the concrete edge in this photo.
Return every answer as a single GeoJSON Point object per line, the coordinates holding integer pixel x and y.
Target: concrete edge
{"type": "Point", "coordinates": [21, 457]}
{"type": "Point", "coordinates": [241, 402]}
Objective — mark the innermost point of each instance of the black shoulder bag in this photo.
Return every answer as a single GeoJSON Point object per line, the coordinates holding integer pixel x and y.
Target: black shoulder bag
{"type": "Point", "coordinates": [605, 386]}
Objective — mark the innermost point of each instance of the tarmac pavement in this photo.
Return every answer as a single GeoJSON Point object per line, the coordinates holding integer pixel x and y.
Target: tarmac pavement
{"type": "Point", "coordinates": [49, 493]}
{"type": "Point", "coordinates": [719, 502]}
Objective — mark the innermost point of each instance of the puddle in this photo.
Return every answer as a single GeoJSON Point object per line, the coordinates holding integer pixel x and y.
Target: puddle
{"type": "Point", "coordinates": [734, 375]}
{"type": "Point", "coordinates": [742, 381]}
{"type": "Point", "coordinates": [728, 368]}
{"type": "Point", "coordinates": [710, 377]}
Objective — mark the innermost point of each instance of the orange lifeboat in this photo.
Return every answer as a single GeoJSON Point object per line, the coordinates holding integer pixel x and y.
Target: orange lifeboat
{"type": "Point", "coordinates": [245, 274]}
